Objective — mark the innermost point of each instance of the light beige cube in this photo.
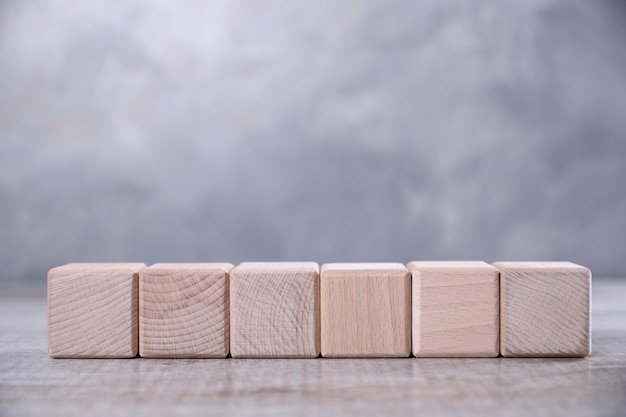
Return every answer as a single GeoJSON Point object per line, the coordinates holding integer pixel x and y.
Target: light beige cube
{"type": "Point", "coordinates": [183, 310]}
{"type": "Point", "coordinates": [455, 309]}
{"type": "Point", "coordinates": [274, 310]}
{"type": "Point", "coordinates": [92, 310]}
{"type": "Point", "coordinates": [366, 310]}
{"type": "Point", "coordinates": [545, 309]}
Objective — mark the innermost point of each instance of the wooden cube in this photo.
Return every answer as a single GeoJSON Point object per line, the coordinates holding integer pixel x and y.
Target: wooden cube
{"type": "Point", "coordinates": [366, 310]}
{"type": "Point", "coordinates": [92, 310]}
{"type": "Point", "coordinates": [455, 309]}
{"type": "Point", "coordinates": [274, 310]}
{"type": "Point", "coordinates": [183, 310]}
{"type": "Point", "coordinates": [545, 309]}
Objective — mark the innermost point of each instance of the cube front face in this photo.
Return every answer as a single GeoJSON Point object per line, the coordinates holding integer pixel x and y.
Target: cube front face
{"type": "Point", "coordinates": [545, 309]}
{"type": "Point", "coordinates": [274, 309]}
{"type": "Point", "coordinates": [455, 309]}
{"type": "Point", "coordinates": [92, 311]}
{"type": "Point", "coordinates": [366, 310]}
{"type": "Point", "coordinates": [183, 311]}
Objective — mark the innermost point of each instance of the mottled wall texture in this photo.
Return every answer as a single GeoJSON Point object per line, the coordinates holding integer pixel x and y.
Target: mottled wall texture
{"type": "Point", "coordinates": [323, 130]}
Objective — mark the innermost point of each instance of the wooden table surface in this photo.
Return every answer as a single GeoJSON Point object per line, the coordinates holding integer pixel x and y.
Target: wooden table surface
{"type": "Point", "coordinates": [33, 384]}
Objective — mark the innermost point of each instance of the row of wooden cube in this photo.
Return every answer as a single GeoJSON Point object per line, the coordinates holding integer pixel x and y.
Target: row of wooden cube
{"type": "Point", "coordinates": [296, 310]}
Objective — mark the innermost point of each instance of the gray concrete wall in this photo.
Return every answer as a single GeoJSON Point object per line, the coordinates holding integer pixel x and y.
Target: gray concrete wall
{"type": "Point", "coordinates": [327, 131]}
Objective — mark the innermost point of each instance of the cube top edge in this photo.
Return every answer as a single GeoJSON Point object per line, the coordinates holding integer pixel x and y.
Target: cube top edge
{"type": "Point", "coordinates": [371, 266]}
{"type": "Point", "coordinates": [537, 266]}
{"type": "Point", "coordinates": [428, 265]}
{"type": "Point", "coordinates": [271, 267]}
{"type": "Point", "coordinates": [224, 266]}
{"type": "Point", "coordinates": [109, 266]}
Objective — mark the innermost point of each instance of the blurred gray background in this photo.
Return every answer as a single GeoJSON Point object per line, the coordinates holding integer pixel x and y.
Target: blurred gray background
{"type": "Point", "coordinates": [327, 131]}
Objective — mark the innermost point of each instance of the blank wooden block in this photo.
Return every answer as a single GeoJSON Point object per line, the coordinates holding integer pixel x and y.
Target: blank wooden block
{"type": "Point", "coordinates": [366, 310]}
{"type": "Point", "coordinates": [544, 309]}
{"type": "Point", "coordinates": [92, 310]}
{"type": "Point", "coordinates": [455, 309]}
{"type": "Point", "coordinates": [274, 310]}
{"type": "Point", "coordinates": [183, 310]}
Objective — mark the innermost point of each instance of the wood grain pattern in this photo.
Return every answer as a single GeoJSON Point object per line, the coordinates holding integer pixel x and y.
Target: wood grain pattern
{"type": "Point", "coordinates": [183, 310]}
{"type": "Point", "coordinates": [365, 310]}
{"type": "Point", "coordinates": [92, 310]}
{"type": "Point", "coordinates": [32, 384]}
{"type": "Point", "coordinates": [455, 309]}
{"type": "Point", "coordinates": [545, 309]}
{"type": "Point", "coordinates": [274, 309]}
